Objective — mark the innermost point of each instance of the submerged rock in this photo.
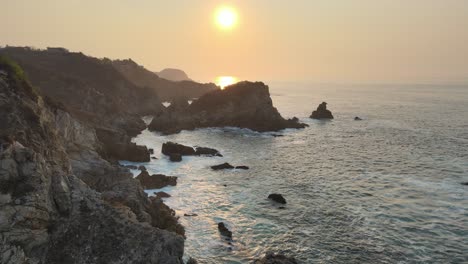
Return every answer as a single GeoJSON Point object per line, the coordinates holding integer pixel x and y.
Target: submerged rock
{"type": "Point", "coordinates": [277, 198]}
{"type": "Point", "coordinates": [244, 105]}
{"type": "Point", "coordinates": [155, 181]}
{"type": "Point", "coordinates": [222, 166]}
{"type": "Point", "coordinates": [322, 112]}
{"type": "Point", "coordinates": [272, 258]}
{"type": "Point", "coordinates": [224, 231]}
{"type": "Point", "coordinates": [464, 183]}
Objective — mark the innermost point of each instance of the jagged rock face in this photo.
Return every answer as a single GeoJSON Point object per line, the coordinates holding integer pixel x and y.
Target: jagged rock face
{"type": "Point", "coordinates": [49, 215]}
{"type": "Point", "coordinates": [245, 105]}
{"type": "Point", "coordinates": [93, 92]}
{"type": "Point", "coordinates": [322, 112]}
{"type": "Point", "coordinates": [166, 89]}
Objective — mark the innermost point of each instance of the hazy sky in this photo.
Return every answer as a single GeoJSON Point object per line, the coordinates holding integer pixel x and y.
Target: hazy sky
{"type": "Point", "coordinates": [315, 40]}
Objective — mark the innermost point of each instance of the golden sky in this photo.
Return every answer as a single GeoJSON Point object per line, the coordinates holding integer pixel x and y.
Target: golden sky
{"type": "Point", "coordinates": [385, 41]}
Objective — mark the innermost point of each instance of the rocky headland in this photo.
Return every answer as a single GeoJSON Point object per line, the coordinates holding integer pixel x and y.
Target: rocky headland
{"type": "Point", "coordinates": [65, 122]}
{"type": "Point", "coordinates": [243, 105]}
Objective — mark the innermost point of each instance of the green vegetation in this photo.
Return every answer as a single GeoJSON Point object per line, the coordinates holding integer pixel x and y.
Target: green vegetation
{"type": "Point", "coordinates": [17, 77]}
{"type": "Point", "coordinates": [12, 69]}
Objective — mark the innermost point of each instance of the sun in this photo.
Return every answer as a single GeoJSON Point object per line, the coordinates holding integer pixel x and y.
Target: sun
{"type": "Point", "coordinates": [226, 17]}
{"type": "Point", "coordinates": [223, 81]}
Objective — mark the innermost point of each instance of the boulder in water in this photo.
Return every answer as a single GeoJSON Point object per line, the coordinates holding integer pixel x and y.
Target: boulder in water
{"type": "Point", "coordinates": [277, 198]}
{"type": "Point", "coordinates": [207, 152]}
{"type": "Point", "coordinates": [169, 148]}
{"type": "Point", "coordinates": [175, 157]}
{"type": "Point", "coordinates": [223, 230]}
{"type": "Point", "coordinates": [156, 181]}
{"type": "Point", "coordinates": [322, 112]}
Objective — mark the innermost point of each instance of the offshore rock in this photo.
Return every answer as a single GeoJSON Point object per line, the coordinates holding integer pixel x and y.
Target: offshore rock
{"type": "Point", "coordinates": [155, 181]}
{"type": "Point", "coordinates": [170, 148]}
{"type": "Point", "coordinates": [277, 198]}
{"type": "Point", "coordinates": [244, 105]}
{"type": "Point", "coordinates": [322, 112]}
{"type": "Point", "coordinates": [223, 166]}
{"type": "Point", "coordinates": [224, 231]}
{"type": "Point", "coordinates": [175, 157]}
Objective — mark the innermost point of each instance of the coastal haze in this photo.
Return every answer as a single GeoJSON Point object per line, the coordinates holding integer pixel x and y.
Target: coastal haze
{"type": "Point", "coordinates": [261, 132]}
{"type": "Point", "coordinates": [385, 41]}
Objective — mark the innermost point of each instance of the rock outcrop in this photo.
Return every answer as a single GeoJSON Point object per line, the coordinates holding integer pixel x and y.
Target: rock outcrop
{"type": "Point", "coordinates": [155, 181]}
{"type": "Point", "coordinates": [272, 258]}
{"type": "Point", "coordinates": [244, 105]}
{"type": "Point", "coordinates": [322, 112]}
{"type": "Point", "coordinates": [60, 201]}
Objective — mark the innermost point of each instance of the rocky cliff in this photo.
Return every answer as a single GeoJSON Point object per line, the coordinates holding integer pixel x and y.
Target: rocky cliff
{"type": "Point", "coordinates": [244, 105]}
{"type": "Point", "coordinates": [60, 201]}
{"type": "Point", "coordinates": [94, 93]}
{"type": "Point", "coordinates": [166, 86]}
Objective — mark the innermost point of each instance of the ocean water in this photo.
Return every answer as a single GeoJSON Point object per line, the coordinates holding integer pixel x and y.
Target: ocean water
{"type": "Point", "coordinates": [386, 189]}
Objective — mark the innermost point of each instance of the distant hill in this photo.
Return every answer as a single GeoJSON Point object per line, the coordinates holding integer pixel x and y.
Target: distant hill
{"type": "Point", "coordinates": [175, 75]}
{"type": "Point", "coordinates": [166, 89]}
{"type": "Point", "coordinates": [87, 86]}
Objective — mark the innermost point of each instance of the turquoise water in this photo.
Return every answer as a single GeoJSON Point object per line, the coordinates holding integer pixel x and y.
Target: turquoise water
{"type": "Point", "coordinates": [382, 190]}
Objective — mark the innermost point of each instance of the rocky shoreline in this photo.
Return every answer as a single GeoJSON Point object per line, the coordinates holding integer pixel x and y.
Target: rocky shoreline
{"type": "Point", "coordinates": [62, 187]}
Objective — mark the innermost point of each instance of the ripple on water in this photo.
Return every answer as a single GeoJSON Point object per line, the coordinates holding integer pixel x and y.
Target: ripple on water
{"type": "Point", "coordinates": [383, 190]}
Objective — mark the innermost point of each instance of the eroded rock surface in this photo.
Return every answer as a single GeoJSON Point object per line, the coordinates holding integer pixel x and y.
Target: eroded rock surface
{"type": "Point", "coordinates": [244, 105]}
{"type": "Point", "coordinates": [60, 201]}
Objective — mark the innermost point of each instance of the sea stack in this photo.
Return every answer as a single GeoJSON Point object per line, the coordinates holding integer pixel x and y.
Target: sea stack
{"type": "Point", "coordinates": [243, 105]}
{"type": "Point", "coordinates": [322, 112]}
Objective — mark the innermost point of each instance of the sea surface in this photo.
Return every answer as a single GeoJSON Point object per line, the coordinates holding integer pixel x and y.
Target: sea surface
{"type": "Point", "coordinates": [386, 189]}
